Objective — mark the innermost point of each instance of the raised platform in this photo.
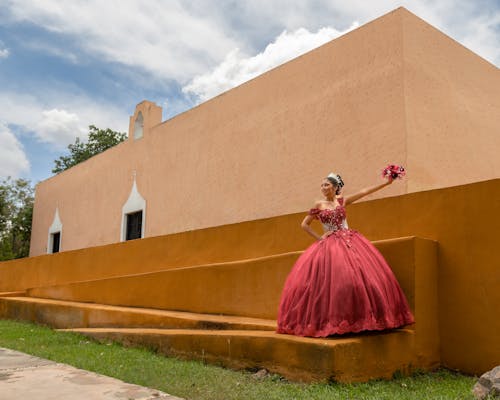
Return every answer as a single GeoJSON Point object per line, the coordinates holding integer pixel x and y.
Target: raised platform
{"type": "Point", "coordinates": [69, 314]}
{"type": "Point", "coordinates": [343, 359]}
{"type": "Point", "coordinates": [224, 313]}
{"type": "Point", "coordinates": [230, 341]}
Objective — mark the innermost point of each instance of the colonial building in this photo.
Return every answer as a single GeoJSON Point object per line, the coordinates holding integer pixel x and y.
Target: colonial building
{"type": "Point", "coordinates": [394, 90]}
{"type": "Point", "coordinates": [218, 194]}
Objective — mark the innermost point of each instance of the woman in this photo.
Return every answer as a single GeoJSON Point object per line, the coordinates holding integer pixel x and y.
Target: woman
{"type": "Point", "coordinates": [341, 283]}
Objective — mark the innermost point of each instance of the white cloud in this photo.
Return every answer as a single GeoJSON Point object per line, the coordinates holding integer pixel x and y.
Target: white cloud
{"type": "Point", "coordinates": [59, 118]}
{"type": "Point", "coordinates": [163, 38]}
{"type": "Point", "coordinates": [238, 68]}
{"type": "Point", "coordinates": [13, 160]}
{"type": "Point", "coordinates": [475, 24]}
{"type": "Point", "coordinates": [19, 109]}
{"type": "Point", "coordinates": [182, 39]}
{"type": "Point", "coordinates": [4, 51]}
{"type": "Point", "coordinates": [58, 126]}
{"type": "Point", "coordinates": [194, 42]}
{"type": "Point", "coordinates": [483, 36]}
{"type": "Point", "coordinates": [471, 24]}
{"type": "Point", "coordinates": [50, 48]}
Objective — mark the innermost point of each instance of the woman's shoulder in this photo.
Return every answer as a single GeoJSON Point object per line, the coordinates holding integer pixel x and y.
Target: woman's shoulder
{"type": "Point", "coordinates": [320, 204]}
{"type": "Point", "coordinates": [314, 211]}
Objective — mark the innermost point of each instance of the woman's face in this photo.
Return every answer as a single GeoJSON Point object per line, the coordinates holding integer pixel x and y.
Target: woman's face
{"type": "Point", "coordinates": [327, 188]}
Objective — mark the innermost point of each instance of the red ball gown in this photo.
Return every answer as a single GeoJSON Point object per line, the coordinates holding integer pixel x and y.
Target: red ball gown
{"type": "Point", "coordinates": [341, 284]}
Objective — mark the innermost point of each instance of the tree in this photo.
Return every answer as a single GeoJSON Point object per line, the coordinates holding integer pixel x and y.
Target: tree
{"type": "Point", "coordinates": [16, 211]}
{"type": "Point", "coordinates": [98, 141]}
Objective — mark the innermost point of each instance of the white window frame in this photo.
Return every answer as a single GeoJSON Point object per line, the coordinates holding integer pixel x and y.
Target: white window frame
{"type": "Point", "coordinates": [134, 203]}
{"type": "Point", "coordinates": [56, 227]}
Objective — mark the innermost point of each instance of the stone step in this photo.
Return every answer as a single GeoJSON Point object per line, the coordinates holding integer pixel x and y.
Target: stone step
{"type": "Point", "coordinates": [13, 294]}
{"type": "Point", "coordinates": [352, 358]}
{"type": "Point", "coordinates": [69, 314]}
{"type": "Point", "coordinates": [249, 288]}
{"type": "Point", "coordinates": [137, 310]}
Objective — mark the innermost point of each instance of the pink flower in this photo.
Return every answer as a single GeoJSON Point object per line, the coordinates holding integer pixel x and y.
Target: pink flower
{"type": "Point", "coordinates": [393, 171]}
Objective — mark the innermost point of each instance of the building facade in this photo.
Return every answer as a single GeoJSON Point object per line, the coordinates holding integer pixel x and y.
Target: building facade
{"type": "Point", "coordinates": [395, 90]}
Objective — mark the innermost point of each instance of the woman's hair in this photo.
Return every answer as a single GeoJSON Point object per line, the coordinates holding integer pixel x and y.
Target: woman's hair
{"type": "Point", "coordinates": [336, 180]}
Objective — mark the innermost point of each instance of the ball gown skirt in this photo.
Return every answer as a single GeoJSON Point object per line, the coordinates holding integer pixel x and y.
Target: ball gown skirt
{"type": "Point", "coordinates": [339, 285]}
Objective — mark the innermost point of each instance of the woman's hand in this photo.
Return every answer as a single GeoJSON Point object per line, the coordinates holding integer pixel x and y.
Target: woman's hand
{"type": "Point", "coordinates": [326, 234]}
{"type": "Point", "coordinates": [306, 225]}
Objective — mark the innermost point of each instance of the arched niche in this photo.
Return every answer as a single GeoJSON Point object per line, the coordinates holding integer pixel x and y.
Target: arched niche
{"type": "Point", "coordinates": [139, 126]}
{"type": "Point", "coordinates": [54, 240]}
{"type": "Point", "coordinates": [133, 216]}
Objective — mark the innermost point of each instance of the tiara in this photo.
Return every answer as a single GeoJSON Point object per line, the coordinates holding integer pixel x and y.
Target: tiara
{"type": "Point", "coordinates": [336, 178]}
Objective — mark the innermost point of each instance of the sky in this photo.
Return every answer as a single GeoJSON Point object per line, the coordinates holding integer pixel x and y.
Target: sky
{"type": "Point", "coordinates": [65, 65]}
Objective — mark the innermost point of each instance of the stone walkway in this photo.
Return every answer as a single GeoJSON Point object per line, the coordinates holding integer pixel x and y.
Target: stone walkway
{"type": "Point", "coordinates": [26, 377]}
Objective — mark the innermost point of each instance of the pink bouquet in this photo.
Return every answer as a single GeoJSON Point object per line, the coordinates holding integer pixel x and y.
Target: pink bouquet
{"type": "Point", "coordinates": [393, 172]}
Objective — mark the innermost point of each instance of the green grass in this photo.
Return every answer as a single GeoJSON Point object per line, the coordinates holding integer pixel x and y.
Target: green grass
{"type": "Point", "coordinates": [195, 380]}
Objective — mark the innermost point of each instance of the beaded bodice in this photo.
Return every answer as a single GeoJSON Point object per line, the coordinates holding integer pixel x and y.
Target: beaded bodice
{"type": "Point", "coordinates": [331, 219]}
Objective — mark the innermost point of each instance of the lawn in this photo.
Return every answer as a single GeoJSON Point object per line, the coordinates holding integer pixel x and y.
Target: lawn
{"type": "Point", "coordinates": [195, 380]}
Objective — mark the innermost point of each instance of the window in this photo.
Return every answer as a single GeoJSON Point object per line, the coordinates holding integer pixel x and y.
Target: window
{"type": "Point", "coordinates": [133, 216]}
{"type": "Point", "coordinates": [55, 242]}
{"type": "Point", "coordinates": [134, 226]}
{"type": "Point", "coordinates": [54, 235]}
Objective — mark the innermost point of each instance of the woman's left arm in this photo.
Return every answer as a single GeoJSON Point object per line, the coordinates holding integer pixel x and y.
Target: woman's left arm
{"type": "Point", "coordinates": [365, 192]}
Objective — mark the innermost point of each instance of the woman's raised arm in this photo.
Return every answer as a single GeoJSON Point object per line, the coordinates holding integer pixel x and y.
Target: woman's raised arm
{"type": "Point", "coordinates": [365, 192]}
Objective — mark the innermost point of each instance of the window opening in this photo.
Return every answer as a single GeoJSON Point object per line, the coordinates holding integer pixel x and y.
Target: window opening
{"type": "Point", "coordinates": [56, 241]}
{"type": "Point", "coordinates": [138, 126]}
{"type": "Point", "coordinates": [134, 226]}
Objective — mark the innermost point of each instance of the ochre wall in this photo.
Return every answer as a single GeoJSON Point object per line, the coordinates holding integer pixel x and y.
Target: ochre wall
{"type": "Point", "coordinates": [394, 90]}
{"type": "Point", "coordinates": [220, 244]}
{"type": "Point", "coordinates": [463, 220]}
{"type": "Point", "coordinates": [249, 288]}
{"type": "Point", "coordinates": [252, 288]}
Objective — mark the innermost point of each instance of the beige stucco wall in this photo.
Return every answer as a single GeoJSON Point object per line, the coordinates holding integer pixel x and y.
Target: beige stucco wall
{"type": "Point", "coordinates": [394, 90]}
{"type": "Point", "coordinates": [452, 107]}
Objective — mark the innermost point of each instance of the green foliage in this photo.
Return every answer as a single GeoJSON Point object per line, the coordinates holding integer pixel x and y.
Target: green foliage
{"type": "Point", "coordinates": [16, 211]}
{"type": "Point", "coordinates": [196, 380]}
{"type": "Point", "coordinates": [98, 141]}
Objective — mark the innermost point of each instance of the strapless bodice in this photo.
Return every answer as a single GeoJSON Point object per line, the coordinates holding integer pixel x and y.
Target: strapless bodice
{"type": "Point", "coordinates": [331, 219]}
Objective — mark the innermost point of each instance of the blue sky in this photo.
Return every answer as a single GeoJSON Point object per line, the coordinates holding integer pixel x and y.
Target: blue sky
{"type": "Point", "coordinates": [67, 64]}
